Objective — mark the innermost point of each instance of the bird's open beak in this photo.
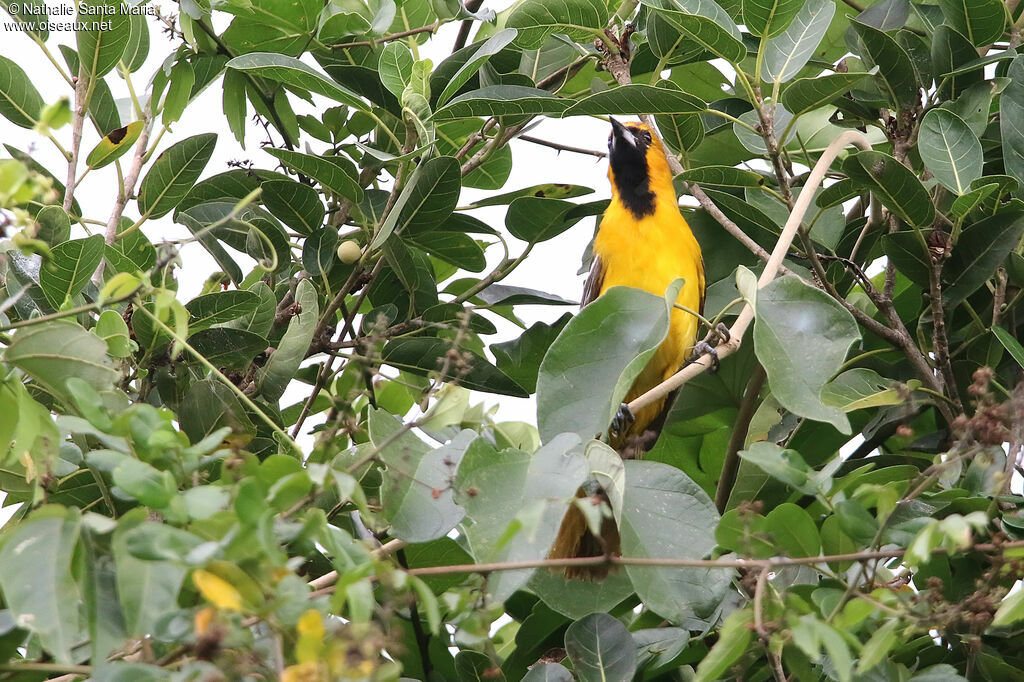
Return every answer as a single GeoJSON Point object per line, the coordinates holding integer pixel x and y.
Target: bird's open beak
{"type": "Point", "coordinates": [621, 134]}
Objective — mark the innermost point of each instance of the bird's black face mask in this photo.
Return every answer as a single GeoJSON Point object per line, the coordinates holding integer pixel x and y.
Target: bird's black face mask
{"type": "Point", "coordinates": [627, 154]}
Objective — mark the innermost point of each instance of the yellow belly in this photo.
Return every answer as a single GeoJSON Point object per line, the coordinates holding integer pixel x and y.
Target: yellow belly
{"type": "Point", "coordinates": [649, 254]}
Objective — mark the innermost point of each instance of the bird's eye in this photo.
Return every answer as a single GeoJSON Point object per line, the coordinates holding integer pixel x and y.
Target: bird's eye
{"type": "Point", "coordinates": [645, 136]}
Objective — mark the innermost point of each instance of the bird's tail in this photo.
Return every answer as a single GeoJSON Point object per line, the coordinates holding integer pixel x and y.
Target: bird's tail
{"type": "Point", "coordinates": [575, 539]}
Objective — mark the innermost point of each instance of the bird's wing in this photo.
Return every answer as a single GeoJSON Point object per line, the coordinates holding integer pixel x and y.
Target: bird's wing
{"type": "Point", "coordinates": [595, 281]}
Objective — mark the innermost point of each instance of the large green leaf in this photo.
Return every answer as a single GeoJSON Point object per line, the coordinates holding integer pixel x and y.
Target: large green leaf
{"type": "Point", "coordinates": [416, 490]}
{"type": "Point", "coordinates": [490, 47]}
{"type": "Point", "coordinates": [979, 251]}
{"type": "Point", "coordinates": [37, 581]}
{"type": "Point", "coordinates": [294, 72]}
{"type": "Point", "coordinates": [894, 64]}
{"type": "Point", "coordinates": [705, 23]}
{"type": "Point", "coordinates": [950, 149]}
{"type": "Point", "coordinates": [114, 145]}
{"type": "Point", "coordinates": [538, 19]}
{"type": "Point", "coordinates": [296, 205]}
{"type": "Point", "coordinates": [148, 589]}
{"type": "Point", "coordinates": [502, 100]}
{"type": "Point", "coordinates": [593, 362]}
{"type": "Point", "coordinates": [787, 53]}
{"type": "Point", "coordinates": [895, 185]}
{"type": "Point", "coordinates": [515, 503]}
{"type": "Point", "coordinates": [173, 174]}
{"type": "Point", "coordinates": [426, 202]}
{"type": "Point", "coordinates": [801, 337]}
{"type": "Point", "coordinates": [520, 358]}
{"type": "Point", "coordinates": [424, 355]}
{"type": "Point", "coordinates": [667, 515]}
{"type": "Point", "coordinates": [318, 251]}
{"type": "Point", "coordinates": [54, 351]}
{"type": "Point", "coordinates": [101, 46]}
{"type": "Point", "coordinates": [629, 99]}
{"type": "Point", "coordinates": [768, 18]}
{"type": "Point", "coordinates": [324, 170]}
{"type": "Point", "coordinates": [981, 21]}
{"type": "Point", "coordinates": [1011, 120]}
{"type": "Point", "coordinates": [72, 265]}
{"type": "Point", "coordinates": [601, 649]}
{"type": "Point", "coordinates": [807, 94]}
{"type": "Point", "coordinates": [291, 351]}
{"type": "Point", "coordinates": [20, 102]}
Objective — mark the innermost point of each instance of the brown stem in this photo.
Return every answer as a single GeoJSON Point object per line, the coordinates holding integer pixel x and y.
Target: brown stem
{"type": "Point", "coordinates": [126, 190]}
{"type": "Point", "coordinates": [77, 121]}
{"type": "Point", "coordinates": [740, 428]}
{"type": "Point", "coordinates": [467, 25]}
{"type": "Point", "coordinates": [940, 341]}
{"type": "Point", "coordinates": [388, 38]}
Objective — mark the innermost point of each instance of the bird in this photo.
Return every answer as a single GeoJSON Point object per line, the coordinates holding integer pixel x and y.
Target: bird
{"type": "Point", "coordinates": [643, 242]}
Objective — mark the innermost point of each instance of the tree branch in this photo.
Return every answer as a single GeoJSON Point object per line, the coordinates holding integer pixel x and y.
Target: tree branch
{"type": "Point", "coordinates": [388, 38]}
{"type": "Point", "coordinates": [739, 436]}
{"type": "Point", "coordinates": [467, 25]}
{"type": "Point", "coordinates": [77, 122]}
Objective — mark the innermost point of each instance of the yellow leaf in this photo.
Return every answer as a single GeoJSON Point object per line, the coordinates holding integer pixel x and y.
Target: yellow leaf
{"type": "Point", "coordinates": [217, 591]}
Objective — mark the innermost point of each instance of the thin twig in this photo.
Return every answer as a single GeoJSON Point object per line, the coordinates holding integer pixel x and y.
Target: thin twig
{"type": "Point", "coordinates": [388, 38]}
{"type": "Point", "coordinates": [563, 147]}
{"type": "Point", "coordinates": [77, 121]}
{"type": "Point", "coordinates": [739, 436]}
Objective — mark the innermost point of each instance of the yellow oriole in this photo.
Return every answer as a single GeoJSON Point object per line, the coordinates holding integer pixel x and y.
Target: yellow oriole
{"type": "Point", "coordinates": [645, 243]}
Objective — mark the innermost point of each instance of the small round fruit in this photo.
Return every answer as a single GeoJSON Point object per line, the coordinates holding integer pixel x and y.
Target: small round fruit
{"type": "Point", "coordinates": [349, 252]}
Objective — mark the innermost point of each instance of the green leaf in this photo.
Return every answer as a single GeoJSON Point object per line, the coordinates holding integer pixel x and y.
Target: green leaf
{"type": "Point", "coordinates": [416, 491]}
{"type": "Point", "coordinates": [980, 250]}
{"type": "Point", "coordinates": [53, 351]}
{"type": "Point", "coordinates": [950, 149]}
{"type": "Point", "coordinates": [628, 99]}
{"type": "Point", "coordinates": [492, 46]}
{"type": "Point", "coordinates": [704, 22]}
{"type": "Point", "coordinates": [296, 73]}
{"type": "Point", "coordinates": [291, 351]}
{"type": "Point", "coordinates": [502, 100]}
{"type": "Point", "coordinates": [432, 197]}
{"type": "Point", "coordinates": [538, 19]}
{"type": "Point", "coordinates": [515, 502]}
{"type": "Point", "coordinates": [1010, 611]}
{"type": "Point", "coordinates": [981, 21]}
{"type": "Point", "coordinates": [318, 251]}
{"type": "Point", "coordinates": [722, 176]}
{"type": "Point", "coordinates": [807, 94]}
{"type": "Point", "coordinates": [667, 515]}
{"type": "Point", "coordinates": [793, 530]}
{"type": "Point", "coordinates": [148, 589]}
{"type": "Point", "coordinates": [73, 264]}
{"type": "Point", "coordinates": [100, 49]}
{"type": "Point", "coordinates": [861, 388]}
{"type": "Point", "coordinates": [593, 362]}
{"type": "Point", "coordinates": [145, 483]}
{"type": "Point", "coordinates": [456, 248]}
{"type": "Point", "coordinates": [768, 18]}
{"type": "Point", "coordinates": [36, 577]}
{"type": "Point", "coordinates": [54, 225]}
{"type": "Point", "coordinates": [323, 169]}
{"type": "Point", "coordinates": [734, 639]}
{"type": "Point", "coordinates": [20, 102]}
{"type": "Point", "coordinates": [895, 185]}
{"type": "Point", "coordinates": [787, 53]}
{"type": "Point", "coordinates": [1011, 344]}
{"type": "Point", "coordinates": [114, 145]}
{"type": "Point", "coordinates": [424, 355]}
{"type": "Point", "coordinates": [296, 205]}
{"type": "Point", "coordinates": [801, 337]}
{"type": "Point", "coordinates": [395, 67]}
{"type": "Point", "coordinates": [601, 649]}
{"type": "Point", "coordinates": [173, 174]}
{"type": "Point", "coordinates": [781, 464]}
{"type": "Point", "coordinates": [534, 219]}
{"type": "Point", "coordinates": [520, 359]}
{"type": "Point", "coordinates": [681, 132]}
{"type": "Point", "coordinates": [112, 328]}
{"type": "Point", "coordinates": [220, 307]}
{"type": "Point", "coordinates": [894, 65]}
{"type": "Point", "coordinates": [179, 91]}
{"type": "Point", "coordinates": [1011, 120]}
{"type": "Point", "coordinates": [907, 252]}
{"type": "Point", "coordinates": [228, 348]}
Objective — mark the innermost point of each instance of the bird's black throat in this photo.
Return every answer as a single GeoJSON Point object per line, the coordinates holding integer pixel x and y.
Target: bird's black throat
{"type": "Point", "coordinates": [632, 179]}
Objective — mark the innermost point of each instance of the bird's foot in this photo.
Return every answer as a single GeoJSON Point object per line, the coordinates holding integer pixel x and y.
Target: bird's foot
{"type": "Point", "coordinates": [704, 348]}
{"type": "Point", "coordinates": [623, 419]}
{"type": "Point", "coordinates": [722, 332]}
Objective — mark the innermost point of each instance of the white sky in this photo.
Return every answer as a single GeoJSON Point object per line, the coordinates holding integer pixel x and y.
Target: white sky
{"type": "Point", "coordinates": [552, 266]}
